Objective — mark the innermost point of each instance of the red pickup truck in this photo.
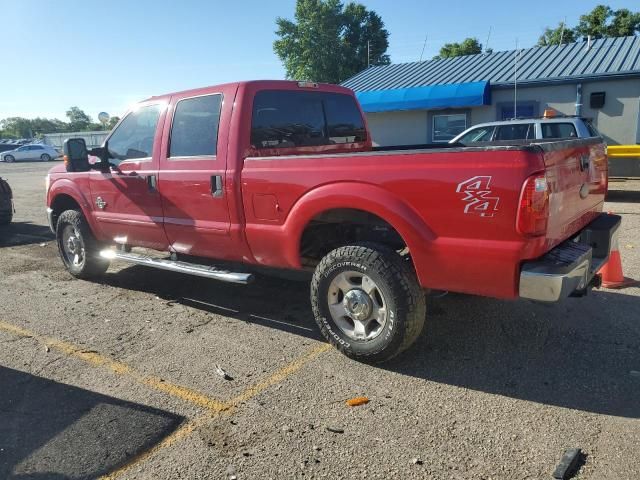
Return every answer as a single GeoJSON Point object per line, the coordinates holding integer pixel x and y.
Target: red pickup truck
{"type": "Point", "coordinates": [283, 174]}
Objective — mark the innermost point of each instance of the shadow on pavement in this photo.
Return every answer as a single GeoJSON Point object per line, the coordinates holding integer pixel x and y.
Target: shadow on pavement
{"type": "Point", "coordinates": [622, 196]}
{"type": "Point", "coordinates": [56, 431]}
{"type": "Point", "coordinates": [24, 233]}
{"type": "Point", "coordinates": [579, 353]}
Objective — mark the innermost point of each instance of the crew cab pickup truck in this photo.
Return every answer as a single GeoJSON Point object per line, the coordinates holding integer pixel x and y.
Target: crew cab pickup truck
{"type": "Point", "coordinates": [283, 174]}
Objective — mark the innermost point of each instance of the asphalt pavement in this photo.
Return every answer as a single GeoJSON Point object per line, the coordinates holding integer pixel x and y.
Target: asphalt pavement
{"type": "Point", "coordinates": [117, 378]}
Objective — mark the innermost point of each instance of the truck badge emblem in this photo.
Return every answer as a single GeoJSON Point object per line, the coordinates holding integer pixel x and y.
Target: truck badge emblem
{"type": "Point", "coordinates": [100, 203]}
{"type": "Point", "coordinates": [478, 196]}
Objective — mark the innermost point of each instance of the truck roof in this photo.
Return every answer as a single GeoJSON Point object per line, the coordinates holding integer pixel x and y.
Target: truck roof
{"type": "Point", "coordinates": [259, 85]}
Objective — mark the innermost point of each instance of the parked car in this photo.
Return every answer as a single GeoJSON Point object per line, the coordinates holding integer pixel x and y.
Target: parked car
{"type": "Point", "coordinates": [45, 153]}
{"type": "Point", "coordinates": [531, 129]}
{"type": "Point", "coordinates": [6, 202]}
{"type": "Point", "coordinates": [285, 176]}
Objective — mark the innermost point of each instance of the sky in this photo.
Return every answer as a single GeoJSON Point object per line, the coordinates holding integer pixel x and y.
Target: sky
{"type": "Point", "coordinates": [106, 55]}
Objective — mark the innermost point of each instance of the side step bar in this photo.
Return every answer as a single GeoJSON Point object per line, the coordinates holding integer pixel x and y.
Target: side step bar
{"type": "Point", "coordinates": [176, 266]}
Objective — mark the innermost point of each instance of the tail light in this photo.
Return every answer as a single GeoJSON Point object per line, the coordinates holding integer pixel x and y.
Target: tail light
{"type": "Point", "coordinates": [533, 211]}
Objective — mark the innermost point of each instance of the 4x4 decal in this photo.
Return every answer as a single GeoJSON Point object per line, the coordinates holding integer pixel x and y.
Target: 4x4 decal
{"type": "Point", "coordinates": [477, 194]}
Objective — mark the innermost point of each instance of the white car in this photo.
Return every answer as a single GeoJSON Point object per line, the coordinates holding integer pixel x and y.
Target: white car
{"type": "Point", "coordinates": [45, 153]}
{"type": "Point", "coordinates": [531, 129]}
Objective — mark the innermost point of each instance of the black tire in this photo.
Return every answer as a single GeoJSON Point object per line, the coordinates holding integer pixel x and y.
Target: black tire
{"type": "Point", "coordinates": [397, 283]}
{"type": "Point", "coordinates": [90, 264]}
{"type": "Point", "coordinates": [45, 157]}
{"type": "Point", "coordinates": [9, 158]}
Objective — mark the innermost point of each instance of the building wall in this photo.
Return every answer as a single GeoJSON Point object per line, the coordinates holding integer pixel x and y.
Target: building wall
{"type": "Point", "coordinates": [398, 128]}
{"type": "Point", "coordinates": [618, 120]}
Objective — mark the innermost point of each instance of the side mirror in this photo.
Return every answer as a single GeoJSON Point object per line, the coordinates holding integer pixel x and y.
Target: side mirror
{"type": "Point", "coordinates": [76, 156]}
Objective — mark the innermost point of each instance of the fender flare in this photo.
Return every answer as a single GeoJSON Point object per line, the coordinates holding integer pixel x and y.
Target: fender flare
{"type": "Point", "coordinates": [360, 196]}
{"type": "Point", "coordinates": [67, 187]}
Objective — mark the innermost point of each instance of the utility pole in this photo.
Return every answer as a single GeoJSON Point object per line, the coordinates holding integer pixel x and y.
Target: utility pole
{"type": "Point", "coordinates": [424, 46]}
{"type": "Point", "coordinates": [486, 44]}
{"type": "Point", "coordinates": [368, 53]}
{"type": "Point", "coordinates": [515, 82]}
{"type": "Point", "coordinates": [562, 29]}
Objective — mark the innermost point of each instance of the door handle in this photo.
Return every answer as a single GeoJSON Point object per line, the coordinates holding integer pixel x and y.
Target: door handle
{"type": "Point", "coordinates": [216, 186]}
{"type": "Point", "coordinates": [152, 183]}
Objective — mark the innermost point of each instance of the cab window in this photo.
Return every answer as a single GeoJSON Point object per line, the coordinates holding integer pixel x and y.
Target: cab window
{"type": "Point", "coordinates": [134, 136]}
{"type": "Point", "coordinates": [283, 118]}
{"type": "Point", "coordinates": [516, 131]}
{"type": "Point", "coordinates": [480, 134]}
{"type": "Point", "coordinates": [195, 127]}
{"type": "Point", "coordinates": [558, 130]}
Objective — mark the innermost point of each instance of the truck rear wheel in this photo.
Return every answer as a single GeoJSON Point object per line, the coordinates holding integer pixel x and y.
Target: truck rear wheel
{"type": "Point", "coordinates": [79, 249]}
{"type": "Point", "coordinates": [367, 302]}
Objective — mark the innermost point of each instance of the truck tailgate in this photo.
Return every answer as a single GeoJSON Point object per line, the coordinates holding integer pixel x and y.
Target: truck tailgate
{"type": "Point", "coordinates": [576, 173]}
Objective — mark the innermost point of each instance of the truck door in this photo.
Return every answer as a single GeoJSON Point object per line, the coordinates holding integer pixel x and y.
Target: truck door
{"type": "Point", "coordinates": [126, 201]}
{"type": "Point", "coordinates": [192, 174]}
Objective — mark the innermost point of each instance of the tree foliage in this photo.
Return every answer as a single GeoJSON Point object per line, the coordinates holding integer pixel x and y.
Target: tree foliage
{"type": "Point", "coordinates": [328, 42]}
{"type": "Point", "coordinates": [601, 22]}
{"type": "Point", "coordinates": [556, 36]}
{"type": "Point", "coordinates": [469, 46]}
{"type": "Point", "coordinates": [18, 127]}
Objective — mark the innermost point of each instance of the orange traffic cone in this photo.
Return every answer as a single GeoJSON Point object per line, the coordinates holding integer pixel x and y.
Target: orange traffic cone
{"type": "Point", "coordinates": [612, 276]}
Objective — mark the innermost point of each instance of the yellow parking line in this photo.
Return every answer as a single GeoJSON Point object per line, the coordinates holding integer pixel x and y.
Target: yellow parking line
{"type": "Point", "coordinates": [232, 405]}
{"type": "Point", "coordinates": [97, 360]}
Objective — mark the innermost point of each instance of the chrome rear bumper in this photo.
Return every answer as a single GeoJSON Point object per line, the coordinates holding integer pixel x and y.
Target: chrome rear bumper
{"type": "Point", "coordinates": [569, 268]}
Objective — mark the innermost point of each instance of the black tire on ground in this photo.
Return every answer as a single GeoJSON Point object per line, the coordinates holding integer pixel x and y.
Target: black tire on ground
{"type": "Point", "coordinates": [45, 157]}
{"type": "Point", "coordinates": [9, 158]}
{"type": "Point", "coordinates": [396, 283]}
{"type": "Point", "coordinates": [72, 228]}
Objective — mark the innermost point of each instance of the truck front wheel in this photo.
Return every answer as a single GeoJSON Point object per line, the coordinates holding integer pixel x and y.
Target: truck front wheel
{"type": "Point", "coordinates": [79, 249]}
{"type": "Point", "coordinates": [367, 302]}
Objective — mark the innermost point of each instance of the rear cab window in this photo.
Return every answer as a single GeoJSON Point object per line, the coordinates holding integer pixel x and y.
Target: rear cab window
{"type": "Point", "coordinates": [289, 119]}
{"type": "Point", "coordinates": [558, 130]}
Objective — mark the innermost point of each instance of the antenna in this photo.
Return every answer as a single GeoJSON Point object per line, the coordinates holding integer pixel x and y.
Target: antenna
{"type": "Point", "coordinates": [515, 82]}
{"type": "Point", "coordinates": [368, 52]}
{"type": "Point", "coordinates": [424, 46]}
{"type": "Point", "coordinates": [486, 44]}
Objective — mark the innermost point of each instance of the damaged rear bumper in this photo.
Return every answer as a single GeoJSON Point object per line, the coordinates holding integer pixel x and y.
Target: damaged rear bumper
{"type": "Point", "coordinates": [570, 268]}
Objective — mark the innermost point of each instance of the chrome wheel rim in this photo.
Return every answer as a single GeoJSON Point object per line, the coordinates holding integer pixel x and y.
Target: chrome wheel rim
{"type": "Point", "coordinates": [357, 305]}
{"type": "Point", "coordinates": [73, 246]}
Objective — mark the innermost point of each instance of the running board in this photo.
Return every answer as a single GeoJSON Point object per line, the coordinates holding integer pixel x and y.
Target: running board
{"type": "Point", "coordinates": [176, 266]}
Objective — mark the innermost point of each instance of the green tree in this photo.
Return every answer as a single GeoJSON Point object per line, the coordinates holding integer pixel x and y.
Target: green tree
{"type": "Point", "coordinates": [624, 23]}
{"type": "Point", "coordinates": [556, 36]}
{"type": "Point", "coordinates": [469, 46]}
{"type": "Point", "coordinates": [328, 42]}
{"type": "Point", "coordinates": [112, 122]}
{"type": "Point", "coordinates": [603, 21]}
{"type": "Point", "coordinates": [78, 120]}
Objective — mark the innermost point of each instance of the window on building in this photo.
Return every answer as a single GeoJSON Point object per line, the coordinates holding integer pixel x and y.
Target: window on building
{"type": "Point", "coordinates": [523, 110]}
{"type": "Point", "coordinates": [480, 134]}
{"type": "Point", "coordinates": [516, 131]}
{"type": "Point", "coordinates": [134, 136]}
{"type": "Point", "coordinates": [299, 119]}
{"type": "Point", "coordinates": [447, 127]}
{"type": "Point", "coordinates": [558, 130]}
{"type": "Point", "coordinates": [194, 131]}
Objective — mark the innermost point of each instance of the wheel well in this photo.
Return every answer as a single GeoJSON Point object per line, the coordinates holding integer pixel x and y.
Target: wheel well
{"type": "Point", "coordinates": [61, 203]}
{"type": "Point", "coordinates": [345, 226]}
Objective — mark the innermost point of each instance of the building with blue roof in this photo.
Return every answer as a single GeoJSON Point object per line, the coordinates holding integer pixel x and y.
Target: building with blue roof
{"type": "Point", "coordinates": [434, 100]}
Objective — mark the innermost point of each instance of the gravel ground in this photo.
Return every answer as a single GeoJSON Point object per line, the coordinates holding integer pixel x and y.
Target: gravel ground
{"type": "Point", "coordinates": [117, 378]}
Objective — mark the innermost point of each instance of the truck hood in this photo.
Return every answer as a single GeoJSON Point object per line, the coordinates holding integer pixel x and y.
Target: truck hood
{"type": "Point", "coordinates": [60, 168]}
